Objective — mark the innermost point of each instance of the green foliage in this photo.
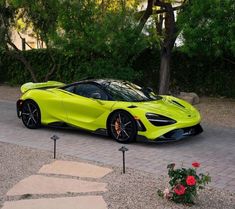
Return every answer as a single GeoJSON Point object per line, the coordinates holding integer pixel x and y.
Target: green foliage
{"type": "Point", "coordinates": [94, 39]}
{"type": "Point", "coordinates": [102, 37]}
{"type": "Point", "coordinates": [208, 27]}
{"type": "Point", "coordinates": [101, 41]}
{"type": "Point", "coordinates": [69, 68]}
{"type": "Point", "coordinates": [205, 75]}
{"type": "Point", "coordinates": [6, 19]}
{"type": "Point", "coordinates": [84, 29]}
{"type": "Point", "coordinates": [40, 16]}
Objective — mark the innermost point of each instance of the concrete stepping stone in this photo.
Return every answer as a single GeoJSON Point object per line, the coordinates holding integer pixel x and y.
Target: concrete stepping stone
{"type": "Point", "coordinates": [37, 184]}
{"type": "Point", "coordinates": [82, 202]}
{"type": "Point", "coordinates": [75, 169]}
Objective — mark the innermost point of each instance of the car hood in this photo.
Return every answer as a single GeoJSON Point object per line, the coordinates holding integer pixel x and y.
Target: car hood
{"type": "Point", "coordinates": [169, 106]}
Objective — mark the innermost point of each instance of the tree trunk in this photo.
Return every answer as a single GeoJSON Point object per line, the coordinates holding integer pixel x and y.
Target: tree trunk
{"type": "Point", "coordinates": [166, 45]}
{"type": "Point", "coordinates": [164, 77]}
{"type": "Point", "coordinates": [168, 32]}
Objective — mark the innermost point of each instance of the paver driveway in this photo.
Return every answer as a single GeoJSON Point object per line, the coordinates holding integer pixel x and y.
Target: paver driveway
{"type": "Point", "coordinates": [214, 148]}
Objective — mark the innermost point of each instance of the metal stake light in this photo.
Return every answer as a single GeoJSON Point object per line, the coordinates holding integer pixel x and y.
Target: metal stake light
{"type": "Point", "coordinates": [123, 150]}
{"type": "Point", "coordinates": [55, 138]}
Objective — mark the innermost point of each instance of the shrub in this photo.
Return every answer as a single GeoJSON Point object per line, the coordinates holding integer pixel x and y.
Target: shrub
{"type": "Point", "coordinates": [68, 68]}
{"type": "Point", "coordinates": [207, 76]}
{"type": "Point", "coordinates": [184, 184]}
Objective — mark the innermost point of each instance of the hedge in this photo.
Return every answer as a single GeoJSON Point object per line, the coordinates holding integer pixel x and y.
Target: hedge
{"type": "Point", "coordinates": [208, 76]}
{"type": "Point", "coordinates": [68, 68]}
{"type": "Point", "coordinates": [203, 75]}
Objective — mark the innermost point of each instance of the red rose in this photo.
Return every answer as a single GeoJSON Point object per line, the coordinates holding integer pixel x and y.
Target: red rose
{"type": "Point", "coordinates": [196, 164]}
{"type": "Point", "coordinates": [191, 181]}
{"type": "Point", "coordinates": [179, 189]}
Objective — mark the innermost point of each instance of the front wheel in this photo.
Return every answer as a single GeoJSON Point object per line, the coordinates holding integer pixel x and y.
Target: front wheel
{"type": "Point", "coordinates": [31, 116]}
{"type": "Point", "coordinates": [122, 127]}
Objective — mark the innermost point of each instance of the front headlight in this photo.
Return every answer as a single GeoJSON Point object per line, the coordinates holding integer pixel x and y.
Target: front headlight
{"type": "Point", "coordinates": [159, 120]}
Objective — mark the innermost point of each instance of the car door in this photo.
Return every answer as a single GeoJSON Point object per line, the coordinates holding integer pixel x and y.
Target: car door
{"type": "Point", "coordinates": [87, 106]}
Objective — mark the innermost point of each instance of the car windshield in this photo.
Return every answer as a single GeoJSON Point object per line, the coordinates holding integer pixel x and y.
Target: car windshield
{"type": "Point", "coordinates": [129, 92]}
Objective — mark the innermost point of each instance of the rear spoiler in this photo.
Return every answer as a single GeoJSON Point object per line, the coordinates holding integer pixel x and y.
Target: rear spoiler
{"type": "Point", "coordinates": [49, 84]}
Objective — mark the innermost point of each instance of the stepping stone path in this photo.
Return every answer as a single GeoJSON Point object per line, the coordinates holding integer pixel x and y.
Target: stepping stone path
{"type": "Point", "coordinates": [71, 168]}
{"type": "Point", "coordinates": [86, 202]}
{"type": "Point", "coordinates": [45, 183]}
{"type": "Point", "coordinates": [50, 185]}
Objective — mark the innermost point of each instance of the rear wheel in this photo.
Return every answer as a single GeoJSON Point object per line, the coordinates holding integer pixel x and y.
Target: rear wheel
{"type": "Point", "coordinates": [122, 127]}
{"type": "Point", "coordinates": [31, 116]}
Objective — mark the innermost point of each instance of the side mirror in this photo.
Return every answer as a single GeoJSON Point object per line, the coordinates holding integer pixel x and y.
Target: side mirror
{"type": "Point", "coordinates": [96, 95]}
{"type": "Point", "coordinates": [149, 89]}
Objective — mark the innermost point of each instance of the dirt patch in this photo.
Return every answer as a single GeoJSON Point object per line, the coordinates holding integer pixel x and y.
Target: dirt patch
{"type": "Point", "coordinates": [217, 111]}
{"type": "Point", "coordinates": [9, 93]}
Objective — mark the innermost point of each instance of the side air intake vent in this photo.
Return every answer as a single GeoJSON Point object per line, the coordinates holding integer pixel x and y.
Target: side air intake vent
{"type": "Point", "coordinates": [132, 106]}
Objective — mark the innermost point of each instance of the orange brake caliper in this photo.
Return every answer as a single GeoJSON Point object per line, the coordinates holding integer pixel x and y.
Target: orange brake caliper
{"type": "Point", "coordinates": [117, 126]}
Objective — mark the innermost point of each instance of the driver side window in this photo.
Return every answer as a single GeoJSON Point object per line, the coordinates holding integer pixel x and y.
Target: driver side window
{"type": "Point", "coordinates": [90, 90]}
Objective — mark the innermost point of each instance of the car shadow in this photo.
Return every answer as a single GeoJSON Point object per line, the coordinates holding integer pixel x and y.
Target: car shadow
{"type": "Point", "coordinates": [191, 140]}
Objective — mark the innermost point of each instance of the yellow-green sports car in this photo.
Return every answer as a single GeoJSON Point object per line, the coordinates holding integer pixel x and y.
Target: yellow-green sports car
{"type": "Point", "coordinates": [118, 108]}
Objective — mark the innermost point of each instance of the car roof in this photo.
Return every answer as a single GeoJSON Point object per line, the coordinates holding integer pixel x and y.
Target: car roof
{"type": "Point", "coordinates": [102, 82]}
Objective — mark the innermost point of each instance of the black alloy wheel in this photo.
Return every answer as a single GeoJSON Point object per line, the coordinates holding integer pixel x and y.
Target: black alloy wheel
{"type": "Point", "coordinates": [31, 116]}
{"type": "Point", "coordinates": [122, 127]}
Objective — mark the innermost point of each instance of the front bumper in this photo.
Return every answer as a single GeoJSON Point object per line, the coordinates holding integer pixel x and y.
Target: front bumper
{"type": "Point", "coordinates": [181, 133]}
{"type": "Point", "coordinates": [176, 134]}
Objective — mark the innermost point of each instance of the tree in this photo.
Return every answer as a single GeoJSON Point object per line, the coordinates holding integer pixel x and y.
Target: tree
{"type": "Point", "coordinates": [210, 24]}
{"type": "Point", "coordinates": [41, 16]}
{"type": "Point", "coordinates": [102, 35]}
{"type": "Point", "coordinates": [104, 40]}
{"type": "Point", "coordinates": [163, 12]}
{"type": "Point", "coordinates": [7, 21]}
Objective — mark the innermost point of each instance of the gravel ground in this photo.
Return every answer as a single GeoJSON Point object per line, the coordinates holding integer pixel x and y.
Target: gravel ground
{"type": "Point", "coordinates": [133, 190]}
{"type": "Point", "coordinates": [217, 111]}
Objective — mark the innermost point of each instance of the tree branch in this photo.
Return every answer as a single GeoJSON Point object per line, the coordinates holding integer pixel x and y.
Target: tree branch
{"type": "Point", "coordinates": [53, 69]}
{"type": "Point", "coordinates": [230, 61]}
{"type": "Point", "coordinates": [25, 41]}
{"type": "Point", "coordinates": [148, 12]}
{"type": "Point", "coordinates": [158, 22]}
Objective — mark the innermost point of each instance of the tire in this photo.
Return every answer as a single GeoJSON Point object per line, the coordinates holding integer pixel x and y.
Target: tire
{"type": "Point", "coordinates": [31, 116]}
{"type": "Point", "coordinates": [122, 127]}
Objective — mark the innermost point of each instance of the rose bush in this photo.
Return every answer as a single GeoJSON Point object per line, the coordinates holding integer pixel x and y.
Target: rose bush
{"type": "Point", "coordinates": [184, 183]}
